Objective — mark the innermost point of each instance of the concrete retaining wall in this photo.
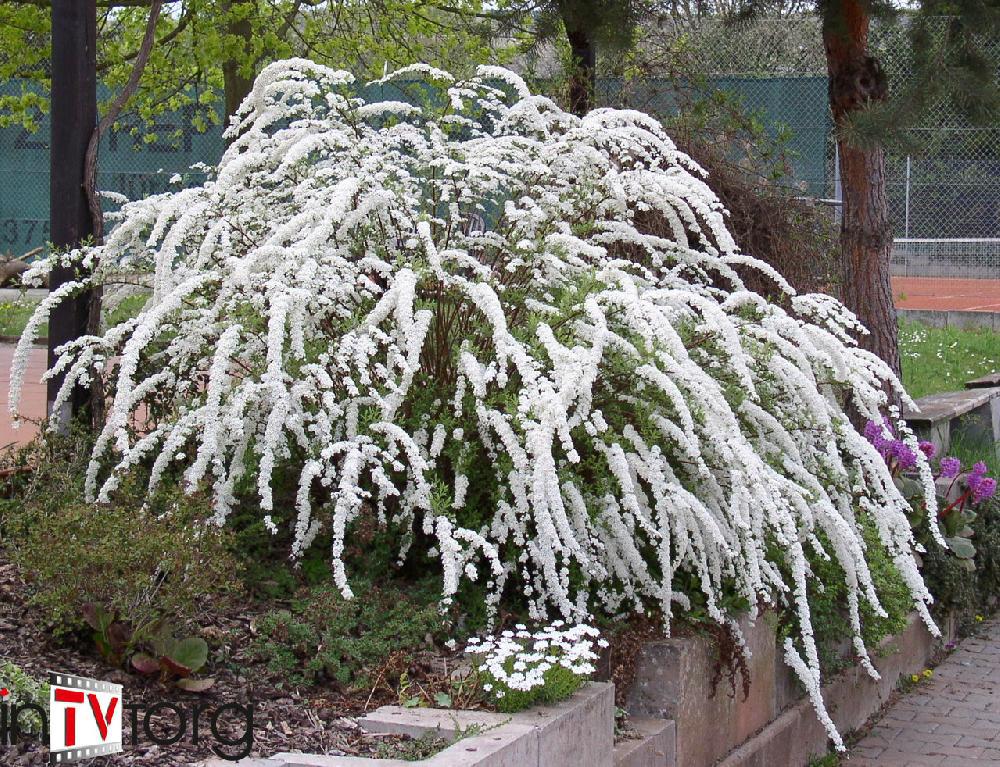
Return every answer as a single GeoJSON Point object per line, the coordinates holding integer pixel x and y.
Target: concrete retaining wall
{"type": "Point", "coordinates": [953, 319]}
{"type": "Point", "coordinates": [679, 721]}
{"type": "Point", "coordinates": [578, 731]}
{"type": "Point", "coordinates": [776, 724]}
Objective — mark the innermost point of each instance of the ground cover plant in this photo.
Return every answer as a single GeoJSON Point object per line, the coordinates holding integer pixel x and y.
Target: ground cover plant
{"type": "Point", "coordinates": [516, 342]}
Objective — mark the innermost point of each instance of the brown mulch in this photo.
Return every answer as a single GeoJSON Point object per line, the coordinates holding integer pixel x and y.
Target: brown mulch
{"type": "Point", "coordinates": [313, 719]}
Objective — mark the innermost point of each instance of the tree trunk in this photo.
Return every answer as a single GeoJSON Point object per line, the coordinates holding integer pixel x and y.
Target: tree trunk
{"type": "Point", "coordinates": [583, 75]}
{"type": "Point", "coordinates": [857, 81]}
{"type": "Point", "coordinates": [236, 84]}
{"type": "Point", "coordinates": [73, 117]}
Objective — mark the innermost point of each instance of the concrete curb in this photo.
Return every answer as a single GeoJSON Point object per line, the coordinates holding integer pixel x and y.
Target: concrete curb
{"type": "Point", "coordinates": [579, 730]}
{"type": "Point", "coordinates": [952, 319]}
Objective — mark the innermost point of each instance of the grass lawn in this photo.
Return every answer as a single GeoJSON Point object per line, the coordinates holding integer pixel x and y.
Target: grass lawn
{"type": "Point", "coordinates": [14, 315]}
{"type": "Point", "coordinates": [943, 359]}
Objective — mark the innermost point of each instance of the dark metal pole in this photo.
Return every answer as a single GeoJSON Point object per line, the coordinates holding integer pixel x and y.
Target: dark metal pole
{"type": "Point", "coordinates": [73, 117]}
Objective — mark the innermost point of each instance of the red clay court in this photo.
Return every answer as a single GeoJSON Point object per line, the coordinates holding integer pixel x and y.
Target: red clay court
{"type": "Point", "coordinates": [32, 397]}
{"type": "Point", "coordinates": [946, 294]}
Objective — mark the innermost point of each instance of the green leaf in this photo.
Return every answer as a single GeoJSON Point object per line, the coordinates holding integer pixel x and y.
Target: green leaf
{"type": "Point", "coordinates": [908, 487]}
{"type": "Point", "coordinates": [442, 699]}
{"type": "Point", "coordinates": [961, 547]}
{"type": "Point", "coordinates": [97, 616]}
{"type": "Point", "coordinates": [191, 653]}
{"type": "Point", "coordinates": [145, 664]}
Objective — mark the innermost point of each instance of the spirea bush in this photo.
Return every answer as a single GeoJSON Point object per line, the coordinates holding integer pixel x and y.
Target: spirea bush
{"type": "Point", "coordinates": [516, 338]}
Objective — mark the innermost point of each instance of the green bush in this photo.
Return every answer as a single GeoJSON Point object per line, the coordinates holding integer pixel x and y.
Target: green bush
{"type": "Point", "coordinates": [140, 561]}
{"type": "Point", "coordinates": [24, 690]}
{"type": "Point", "coordinates": [559, 683]}
{"type": "Point", "coordinates": [324, 636]}
{"type": "Point", "coordinates": [957, 591]}
{"type": "Point", "coordinates": [828, 602]}
{"type": "Point", "coordinates": [986, 535]}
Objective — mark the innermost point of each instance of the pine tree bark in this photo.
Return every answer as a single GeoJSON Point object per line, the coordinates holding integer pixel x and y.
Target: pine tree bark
{"type": "Point", "coordinates": [857, 81]}
{"type": "Point", "coordinates": [583, 75]}
{"type": "Point", "coordinates": [237, 85]}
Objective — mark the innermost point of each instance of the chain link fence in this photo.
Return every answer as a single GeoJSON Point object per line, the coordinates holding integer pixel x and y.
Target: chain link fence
{"type": "Point", "coordinates": [944, 200]}
{"type": "Point", "coordinates": [135, 159]}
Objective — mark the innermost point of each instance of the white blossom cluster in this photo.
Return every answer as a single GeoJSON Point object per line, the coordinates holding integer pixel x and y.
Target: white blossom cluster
{"type": "Point", "coordinates": [517, 338]}
{"type": "Point", "coordinates": [518, 660]}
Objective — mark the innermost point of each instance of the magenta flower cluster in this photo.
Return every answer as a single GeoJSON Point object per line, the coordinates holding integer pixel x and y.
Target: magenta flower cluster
{"type": "Point", "coordinates": [896, 453]}
{"type": "Point", "coordinates": [981, 486]}
{"type": "Point", "coordinates": [901, 457]}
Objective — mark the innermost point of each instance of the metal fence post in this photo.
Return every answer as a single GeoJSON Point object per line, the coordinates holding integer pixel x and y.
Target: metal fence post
{"type": "Point", "coordinates": [906, 213]}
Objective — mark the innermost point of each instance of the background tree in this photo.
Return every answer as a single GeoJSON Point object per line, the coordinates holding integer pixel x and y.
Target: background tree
{"type": "Point", "coordinates": [74, 112]}
{"type": "Point", "coordinates": [207, 52]}
{"type": "Point", "coordinates": [956, 71]}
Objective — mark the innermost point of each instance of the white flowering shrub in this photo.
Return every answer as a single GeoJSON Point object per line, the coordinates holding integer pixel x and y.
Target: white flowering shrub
{"type": "Point", "coordinates": [516, 339]}
{"type": "Point", "coordinates": [520, 668]}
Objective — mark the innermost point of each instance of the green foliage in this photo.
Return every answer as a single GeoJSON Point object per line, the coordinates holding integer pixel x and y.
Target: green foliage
{"type": "Point", "coordinates": [173, 657]}
{"type": "Point", "coordinates": [559, 684]}
{"type": "Point", "coordinates": [986, 533]}
{"type": "Point", "coordinates": [828, 602]}
{"type": "Point", "coordinates": [324, 636]}
{"type": "Point", "coordinates": [411, 749]}
{"type": "Point", "coordinates": [195, 39]}
{"type": "Point", "coordinates": [23, 690]}
{"type": "Point", "coordinates": [112, 637]}
{"type": "Point", "coordinates": [25, 51]}
{"type": "Point", "coordinates": [123, 567]}
{"type": "Point", "coordinates": [954, 589]}
{"type": "Point", "coordinates": [949, 581]}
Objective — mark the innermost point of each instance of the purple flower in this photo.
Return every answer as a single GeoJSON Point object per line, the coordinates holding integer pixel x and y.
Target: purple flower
{"type": "Point", "coordinates": [876, 434]}
{"type": "Point", "coordinates": [928, 449]}
{"type": "Point", "coordinates": [903, 453]}
{"type": "Point", "coordinates": [984, 489]}
{"type": "Point", "coordinates": [873, 433]}
{"type": "Point", "coordinates": [972, 481]}
{"type": "Point", "coordinates": [950, 467]}
{"type": "Point", "coordinates": [871, 429]}
{"type": "Point", "coordinates": [979, 469]}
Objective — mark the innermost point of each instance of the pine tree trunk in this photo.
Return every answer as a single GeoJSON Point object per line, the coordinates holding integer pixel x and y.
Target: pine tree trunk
{"type": "Point", "coordinates": [856, 81]}
{"type": "Point", "coordinates": [583, 76]}
{"type": "Point", "coordinates": [235, 83]}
